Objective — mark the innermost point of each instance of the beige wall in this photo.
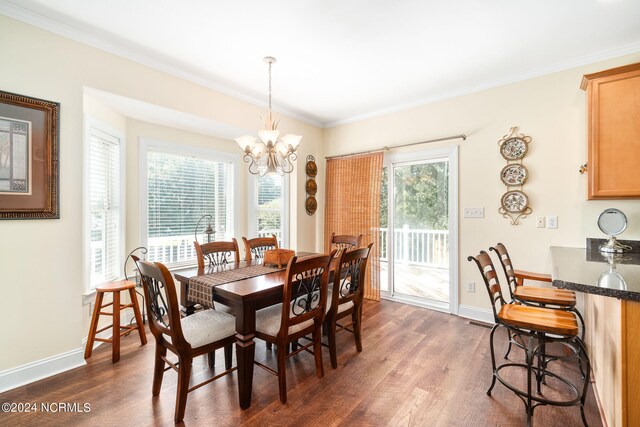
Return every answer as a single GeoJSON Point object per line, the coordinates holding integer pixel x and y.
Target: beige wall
{"type": "Point", "coordinates": [551, 109]}
{"type": "Point", "coordinates": [45, 303]}
{"type": "Point", "coordinates": [41, 261]}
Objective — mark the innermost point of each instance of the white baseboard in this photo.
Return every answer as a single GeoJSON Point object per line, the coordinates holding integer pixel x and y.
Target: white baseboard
{"type": "Point", "coordinates": [34, 371]}
{"type": "Point", "coordinates": [40, 369]}
{"type": "Point", "coordinates": [475, 313]}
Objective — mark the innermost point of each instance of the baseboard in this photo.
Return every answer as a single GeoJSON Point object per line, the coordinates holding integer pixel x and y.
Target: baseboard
{"type": "Point", "coordinates": [475, 313]}
{"type": "Point", "coordinates": [34, 371]}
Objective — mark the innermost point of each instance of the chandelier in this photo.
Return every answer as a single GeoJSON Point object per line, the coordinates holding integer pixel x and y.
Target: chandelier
{"type": "Point", "coordinates": [272, 153]}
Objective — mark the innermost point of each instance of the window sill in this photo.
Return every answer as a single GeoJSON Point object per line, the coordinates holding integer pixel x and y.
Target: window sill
{"type": "Point", "coordinates": [89, 297]}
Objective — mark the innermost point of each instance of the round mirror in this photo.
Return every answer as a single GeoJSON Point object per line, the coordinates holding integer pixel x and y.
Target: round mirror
{"type": "Point", "coordinates": [612, 222]}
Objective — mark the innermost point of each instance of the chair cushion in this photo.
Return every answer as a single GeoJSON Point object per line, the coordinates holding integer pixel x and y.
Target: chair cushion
{"type": "Point", "coordinates": [342, 307]}
{"type": "Point", "coordinates": [207, 326]}
{"type": "Point", "coordinates": [268, 321]}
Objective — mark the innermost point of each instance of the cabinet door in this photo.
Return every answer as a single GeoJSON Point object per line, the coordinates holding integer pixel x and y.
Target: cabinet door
{"type": "Point", "coordinates": [614, 133]}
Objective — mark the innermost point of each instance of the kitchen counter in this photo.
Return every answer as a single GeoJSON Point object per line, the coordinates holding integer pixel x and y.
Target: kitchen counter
{"type": "Point", "coordinates": [611, 331]}
{"type": "Point", "coordinates": [590, 271]}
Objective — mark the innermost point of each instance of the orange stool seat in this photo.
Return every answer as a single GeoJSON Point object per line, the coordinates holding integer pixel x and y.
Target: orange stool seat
{"type": "Point", "coordinates": [115, 288]}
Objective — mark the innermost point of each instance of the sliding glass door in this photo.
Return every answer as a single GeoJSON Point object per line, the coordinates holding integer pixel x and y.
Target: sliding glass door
{"type": "Point", "coordinates": [418, 229]}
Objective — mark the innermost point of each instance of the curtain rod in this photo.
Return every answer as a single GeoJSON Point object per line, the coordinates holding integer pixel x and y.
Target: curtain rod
{"type": "Point", "coordinates": [386, 148]}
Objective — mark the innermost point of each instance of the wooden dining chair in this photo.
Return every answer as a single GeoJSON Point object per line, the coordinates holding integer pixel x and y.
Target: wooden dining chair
{"type": "Point", "coordinates": [535, 327]}
{"type": "Point", "coordinates": [301, 313]}
{"type": "Point", "coordinates": [345, 298]}
{"type": "Point", "coordinates": [215, 254]}
{"type": "Point", "coordinates": [187, 338]}
{"type": "Point", "coordinates": [345, 242]}
{"type": "Point", "coordinates": [254, 248]}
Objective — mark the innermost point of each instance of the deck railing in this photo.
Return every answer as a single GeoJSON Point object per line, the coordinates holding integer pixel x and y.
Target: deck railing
{"type": "Point", "coordinates": [180, 250]}
{"type": "Point", "coordinates": [415, 246]}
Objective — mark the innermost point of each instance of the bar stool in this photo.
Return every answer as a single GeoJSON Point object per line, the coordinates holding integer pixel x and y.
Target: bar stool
{"type": "Point", "coordinates": [535, 327]}
{"type": "Point", "coordinates": [115, 288]}
{"type": "Point", "coordinates": [560, 299]}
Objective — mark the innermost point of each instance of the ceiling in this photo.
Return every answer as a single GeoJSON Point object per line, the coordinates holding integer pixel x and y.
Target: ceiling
{"type": "Point", "coordinates": [340, 61]}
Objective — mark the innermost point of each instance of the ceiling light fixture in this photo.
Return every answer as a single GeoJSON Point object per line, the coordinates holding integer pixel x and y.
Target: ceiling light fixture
{"type": "Point", "coordinates": [271, 154]}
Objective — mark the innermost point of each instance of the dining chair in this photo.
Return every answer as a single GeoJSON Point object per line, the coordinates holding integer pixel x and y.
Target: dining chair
{"type": "Point", "coordinates": [345, 298]}
{"type": "Point", "coordinates": [562, 299]}
{"type": "Point", "coordinates": [217, 253]}
{"type": "Point", "coordinates": [254, 248]}
{"type": "Point", "coordinates": [535, 327]}
{"type": "Point", "coordinates": [187, 338]}
{"type": "Point", "coordinates": [345, 241]}
{"type": "Point", "coordinates": [301, 313]}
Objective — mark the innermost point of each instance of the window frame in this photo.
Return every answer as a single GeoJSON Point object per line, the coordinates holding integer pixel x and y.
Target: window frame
{"type": "Point", "coordinates": [91, 123]}
{"type": "Point", "coordinates": [151, 144]}
{"type": "Point", "coordinates": [252, 206]}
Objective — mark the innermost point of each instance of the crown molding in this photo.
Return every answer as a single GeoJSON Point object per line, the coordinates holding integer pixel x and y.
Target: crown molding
{"type": "Point", "coordinates": [113, 45]}
{"type": "Point", "coordinates": [627, 49]}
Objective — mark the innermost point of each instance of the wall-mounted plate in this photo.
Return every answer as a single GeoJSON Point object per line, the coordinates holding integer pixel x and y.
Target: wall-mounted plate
{"type": "Point", "coordinates": [514, 201]}
{"type": "Point", "coordinates": [311, 205]}
{"type": "Point", "coordinates": [512, 175]}
{"type": "Point", "coordinates": [311, 187]}
{"type": "Point", "coordinates": [514, 148]}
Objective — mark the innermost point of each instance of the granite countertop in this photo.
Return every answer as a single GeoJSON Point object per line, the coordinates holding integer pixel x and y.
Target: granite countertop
{"type": "Point", "coordinates": [587, 270]}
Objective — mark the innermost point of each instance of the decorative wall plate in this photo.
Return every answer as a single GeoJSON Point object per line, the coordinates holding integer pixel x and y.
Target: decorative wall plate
{"type": "Point", "coordinates": [311, 168]}
{"type": "Point", "coordinates": [311, 187]}
{"type": "Point", "coordinates": [514, 201]}
{"type": "Point", "coordinates": [514, 174]}
{"type": "Point", "coordinates": [311, 205]}
{"type": "Point", "coordinates": [514, 148]}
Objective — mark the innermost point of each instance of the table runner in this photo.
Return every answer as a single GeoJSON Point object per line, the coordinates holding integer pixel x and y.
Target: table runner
{"type": "Point", "coordinates": [200, 287]}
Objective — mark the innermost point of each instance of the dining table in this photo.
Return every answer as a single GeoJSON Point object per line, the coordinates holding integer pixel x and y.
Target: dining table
{"type": "Point", "coordinates": [245, 296]}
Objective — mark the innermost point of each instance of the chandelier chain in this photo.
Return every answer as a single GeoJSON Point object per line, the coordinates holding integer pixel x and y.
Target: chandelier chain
{"type": "Point", "coordinates": [269, 91]}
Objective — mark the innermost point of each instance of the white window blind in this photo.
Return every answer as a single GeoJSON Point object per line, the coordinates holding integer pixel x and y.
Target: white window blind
{"type": "Point", "coordinates": [269, 204]}
{"type": "Point", "coordinates": [105, 233]}
{"type": "Point", "coordinates": [180, 189]}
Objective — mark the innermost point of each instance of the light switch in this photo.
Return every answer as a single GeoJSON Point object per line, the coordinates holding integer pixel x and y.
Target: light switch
{"type": "Point", "coordinates": [473, 212]}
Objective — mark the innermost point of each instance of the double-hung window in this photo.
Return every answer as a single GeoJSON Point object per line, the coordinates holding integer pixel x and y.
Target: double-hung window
{"type": "Point", "coordinates": [104, 203]}
{"type": "Point", "coordinates": [180, 185]}
{"type": "Point", "coordinates": [269, 207]}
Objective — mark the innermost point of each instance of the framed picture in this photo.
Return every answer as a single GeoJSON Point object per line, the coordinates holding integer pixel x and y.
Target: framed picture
{"type": "Point", "coordinates": [28, 157]}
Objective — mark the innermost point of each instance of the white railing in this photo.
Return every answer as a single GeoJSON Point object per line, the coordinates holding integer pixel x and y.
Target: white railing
{"type": "Point", "coordinates": [180, 249]}
{"type": "Point", "coordinates": [268, 233]}
{"type": "Point", "coordinates": [171, 249]}
{"type": "Point", "coordinates": [415, 246]}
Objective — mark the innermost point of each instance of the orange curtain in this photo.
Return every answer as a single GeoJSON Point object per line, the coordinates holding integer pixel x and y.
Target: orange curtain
{"type": "Point", "coordinates": [353, 208]}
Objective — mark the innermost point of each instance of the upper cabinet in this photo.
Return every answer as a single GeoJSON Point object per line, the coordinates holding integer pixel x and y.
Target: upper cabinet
{"type": "Point", "coordinates": [613, 104]}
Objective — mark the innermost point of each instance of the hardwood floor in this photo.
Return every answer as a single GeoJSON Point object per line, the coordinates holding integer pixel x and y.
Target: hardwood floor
{"type": "Point", "coordinates": [418, 367]}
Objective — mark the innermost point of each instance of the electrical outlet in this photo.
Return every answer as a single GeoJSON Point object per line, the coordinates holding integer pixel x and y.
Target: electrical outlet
{"type": "Point", "coordinates": [552, 222]}
{"type": "Point", "coordinates": [473, 212]}
{"type": "Point", "coordinates": [540, 222]}
{"type": "Point", "coordinates": [471, 287]}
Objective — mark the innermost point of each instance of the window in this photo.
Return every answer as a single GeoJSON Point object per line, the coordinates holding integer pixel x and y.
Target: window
{"type": "Point", "coordinates": [269, 206]}
{"type": "Point", "coordinates": [181, 185]}
{"type": "Point", "coordinates": [104, 203]}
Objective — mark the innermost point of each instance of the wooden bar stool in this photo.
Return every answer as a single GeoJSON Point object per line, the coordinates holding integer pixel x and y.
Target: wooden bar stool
{"type": "Point", "coordinates": [118, 330]}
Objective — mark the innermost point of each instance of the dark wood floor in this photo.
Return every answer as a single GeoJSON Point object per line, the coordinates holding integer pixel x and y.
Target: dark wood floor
{"type": "Point", "coordinates": [418, 368]}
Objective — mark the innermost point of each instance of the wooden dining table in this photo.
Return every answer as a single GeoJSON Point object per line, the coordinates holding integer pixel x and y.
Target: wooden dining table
{"type": "Point", "coordinates": [245, 297]}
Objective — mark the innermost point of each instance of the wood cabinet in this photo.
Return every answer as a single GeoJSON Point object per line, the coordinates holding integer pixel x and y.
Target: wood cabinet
{"type": "Point", "coordinates": [613, 345]}
{"type": "Point", "coordinates": [613, 104]}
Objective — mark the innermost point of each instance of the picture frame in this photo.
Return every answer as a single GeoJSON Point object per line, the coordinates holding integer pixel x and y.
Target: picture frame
{"type": "Point", "coordinates": [29, 150]}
